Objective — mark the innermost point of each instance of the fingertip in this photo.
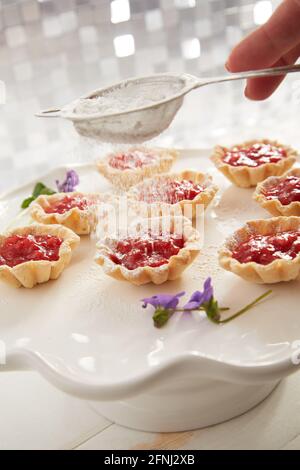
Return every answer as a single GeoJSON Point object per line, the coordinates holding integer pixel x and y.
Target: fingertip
{"type": "Point", "coordinates": [249, 95]}
{"type": "Point", "coordinates": [246, 92]}
{"type": "Point", "coordinates": [227, 66]}
{"type": "Point", "coordinates": [237, 60]}
{"type": "Point", "coordinates": [259, 89]}
{"type": "Point", "coordinates": [233, 64]}
{"type": "Point", "coordinates": [254, 93]}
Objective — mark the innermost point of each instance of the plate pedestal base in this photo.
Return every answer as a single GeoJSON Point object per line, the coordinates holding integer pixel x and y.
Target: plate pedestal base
{"type": "Point", "coordinates": [185, 408]}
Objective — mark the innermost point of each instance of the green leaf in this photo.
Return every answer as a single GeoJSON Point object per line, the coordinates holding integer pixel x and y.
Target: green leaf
{"type": "Point", "coordinates": [212, 310]}
{"type": "Point", "coordinates": [47, 191]}
{"type": "Point", "coordinates": [40, 188]}
{"type": "Point", "coordinates": [161, 316]}
{"type": "Point", "coordinates": [26, 203]}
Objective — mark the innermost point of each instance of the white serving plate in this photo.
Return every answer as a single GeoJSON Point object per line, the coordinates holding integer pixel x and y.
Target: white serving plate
{"type": "Point", "coordinates": [88, 335]}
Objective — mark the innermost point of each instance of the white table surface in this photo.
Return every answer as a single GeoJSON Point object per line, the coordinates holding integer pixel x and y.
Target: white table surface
{"type": "Point", "coordinates": [35, 415]}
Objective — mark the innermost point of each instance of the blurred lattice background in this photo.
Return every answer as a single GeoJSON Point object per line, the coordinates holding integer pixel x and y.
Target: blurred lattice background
{"type": "Point", "coordinates": [52, 51]}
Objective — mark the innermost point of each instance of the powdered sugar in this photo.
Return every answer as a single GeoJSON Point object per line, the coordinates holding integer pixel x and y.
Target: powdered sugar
{"type": "Point", "coordinates": [128, 96]}
{"type": "Point", "coordinates": [148, 106]}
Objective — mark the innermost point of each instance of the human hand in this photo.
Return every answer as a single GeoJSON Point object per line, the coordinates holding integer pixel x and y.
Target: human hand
{"type": "Point", "coordinates": [276, 43]}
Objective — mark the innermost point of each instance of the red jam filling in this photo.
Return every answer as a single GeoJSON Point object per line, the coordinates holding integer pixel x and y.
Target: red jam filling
{"type": "Point", "coordinates": [150, 250]}
{"type": "Point", "coordinates": [286, 191]}
{"type": "Point", "coordinates": [66, 204]}
{"type": "Point", "coordinates": [170, 192]}
{"type": "Point", "coordinates": [131, 160]}
{"type": "Point", "coordinates": [263, 249]}
{"type": "Point", "coordinates": [18, 249]}
{"type": "Point", "coordinates": [256, 155]}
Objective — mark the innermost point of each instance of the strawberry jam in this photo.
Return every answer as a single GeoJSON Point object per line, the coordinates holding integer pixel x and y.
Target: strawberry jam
{"type": "Point", "coordinates": [18, 249]}
{"type": "Point", "coordinates": [149, 250]}
{"type": "Point", "coordinates": [263, 249]}
{"type": "Point", "coordinates": [170, 192]}
{"type": "Point", "coordinates": [131, 160]}
{"type": "Point", "coordinates": [256, 155]}
{"type": "Point", "coordinates": [286, 190]}
{"type": "Point", "coordinates": [67, 203]}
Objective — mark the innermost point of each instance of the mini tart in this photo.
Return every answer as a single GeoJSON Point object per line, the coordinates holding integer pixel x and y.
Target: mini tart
{"type": "Point", "coordinates": [126, 168]}
{"type": "Point", "coordinates": [78, 218]}
{"type": "Point", "coordinates": [30, 273]}
{"type": "Point", "coordinates": [187, 188]}
{"type": "Point", "coordinates": [187, 241]}
{"type": "Point", "coordinates": [278, 270]}
{"type": "Point", "coordinates": [246, 176]}
{"type": "Point", "coordinates": [275, 205]}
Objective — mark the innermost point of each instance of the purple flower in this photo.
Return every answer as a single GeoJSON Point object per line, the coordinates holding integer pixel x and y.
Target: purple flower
{"type": "Point", "coordinates": [70, 182]}
{"type": "Point", "coordinates": [167, 301]}
{"type": "Point", "coordinates": [199, 298]}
